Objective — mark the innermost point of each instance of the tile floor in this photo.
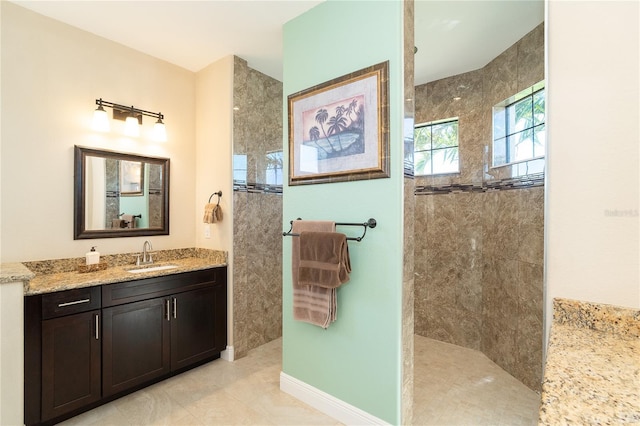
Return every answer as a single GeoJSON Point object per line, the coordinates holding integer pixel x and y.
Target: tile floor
{"type": "Point", "coordinates": [454, 386]}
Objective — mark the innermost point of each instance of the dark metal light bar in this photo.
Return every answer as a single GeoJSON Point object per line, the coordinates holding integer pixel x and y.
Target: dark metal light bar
{"type": "Point", "coordinates": [121, 112]}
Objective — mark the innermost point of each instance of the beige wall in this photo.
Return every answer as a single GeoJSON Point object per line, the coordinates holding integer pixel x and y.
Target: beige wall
{"type": "Point", "coordinates": [51, 75]}
{"type": "Point", "coordinates": [592, 233]}
{"type": "Point", "coordinates": [214, 136]}
{"type": "Point", "coordinates": [214, 121]}
{"type": "Point", "coordinates": [11, 354]}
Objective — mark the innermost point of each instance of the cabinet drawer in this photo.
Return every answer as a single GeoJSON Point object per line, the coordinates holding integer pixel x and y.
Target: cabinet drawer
{"type": "Point", "coordinates": [69, 302]}
{"type": "Point", "coordinates": [134, 291]}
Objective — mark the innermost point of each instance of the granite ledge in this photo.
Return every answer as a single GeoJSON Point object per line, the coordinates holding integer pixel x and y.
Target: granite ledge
{"type": "Point", "coordinates": [14, 272]}
{"type": "Point", "coordinates": [61, 274]}
{"type": "Point", "coordinates": [592, 370]}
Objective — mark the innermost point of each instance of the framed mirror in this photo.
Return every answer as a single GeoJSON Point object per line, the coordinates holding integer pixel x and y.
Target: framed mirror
{"type": "Point", "coordinates": [118, 194]}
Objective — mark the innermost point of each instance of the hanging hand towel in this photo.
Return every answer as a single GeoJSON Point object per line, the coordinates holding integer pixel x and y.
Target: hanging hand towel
{"type": "Point", "coordinates": [312, 304]}
{"type": "Point", "coordinates": [209, 216]}
{"type": "Point", "coordinates": [324, 259]}
{"type": "Point", "coordinates": [129, 220]}
{"type": "Point", "coordinates": [217, 213]}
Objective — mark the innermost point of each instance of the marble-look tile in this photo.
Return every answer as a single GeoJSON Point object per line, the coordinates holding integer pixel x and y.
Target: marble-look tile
{"type": "Point", "coordinates": [460, 386]}
{"type": "Point", "coordinates": [469, 208]}
{"type": "Point", "coordinates": [531, 244]}
{"type": "Point", "coordinates": [107, 415]}
{"type": "Point", "coordinates": [409, 243]}
{"type": "Point", "coordinates": [531, 206]}
{"type": "Point", "coordinates": [495, 238]}
{"type": "Point", "coordinates": [452, 385]}
{"type": "Point", "coordinates": [531, 58]}
{"type": "Point", "coordinates": [257, 300]}
{"type": "Point", "coordinates": [151, 405]}
{"type": "Point", "coordinates": [500, 77]}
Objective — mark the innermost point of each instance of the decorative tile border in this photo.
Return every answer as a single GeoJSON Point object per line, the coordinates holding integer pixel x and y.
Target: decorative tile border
{"type": "Point", "coordinates": [528, 181]}
{"type": "Point", "coordinates": [258, 188]}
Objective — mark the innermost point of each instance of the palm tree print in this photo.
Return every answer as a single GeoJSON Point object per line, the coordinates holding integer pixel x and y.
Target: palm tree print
{"type": "Point", "coordinates": [321, 117]}
{"type": "Point", "coordinates": [314, 133]}
{"type": "Point", "coordinates": [346, 126]}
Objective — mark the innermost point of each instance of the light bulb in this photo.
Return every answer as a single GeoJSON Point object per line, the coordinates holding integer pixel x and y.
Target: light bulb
{"type": "Point", "coordinates": [131, 127]}
{"type": "Point", "coordinates": [159, 131]}
{"type": "Point", "coordinates": [100, 120]}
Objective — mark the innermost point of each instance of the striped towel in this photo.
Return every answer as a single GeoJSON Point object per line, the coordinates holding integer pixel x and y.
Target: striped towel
{"type": "Point", "coordinates": [312, 304]}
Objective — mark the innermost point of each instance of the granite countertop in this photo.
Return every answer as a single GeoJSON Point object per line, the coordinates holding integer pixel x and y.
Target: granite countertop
{"type": "Point", "coordinates": [62, 274]}
{"type": "Point", "coordinates": [13, 272]}
{"type": "Point", "coordinates": [592, 371]}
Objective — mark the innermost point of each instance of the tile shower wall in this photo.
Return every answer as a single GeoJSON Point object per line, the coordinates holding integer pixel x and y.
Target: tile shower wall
{"type": "Point", "coordinates": [479, 233]}
{"type": "Point", "coordinates": [408, 277]}
{"type": "Point", "coordinates": [257, 204]}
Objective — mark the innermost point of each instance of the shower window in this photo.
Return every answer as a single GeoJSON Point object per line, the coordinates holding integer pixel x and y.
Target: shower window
{"type": "Point", "coordinates": [274, 168]}
{"type": "Point", "coordinates": [519, 127]}
{"type": "Point", "coordinates": [436, 147]}
{"type": "Point", "coordinates": [239, 169]}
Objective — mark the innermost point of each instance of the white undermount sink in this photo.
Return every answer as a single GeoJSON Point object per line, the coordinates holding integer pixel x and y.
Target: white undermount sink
{"type": "Point", "coordinates": [151, 268]}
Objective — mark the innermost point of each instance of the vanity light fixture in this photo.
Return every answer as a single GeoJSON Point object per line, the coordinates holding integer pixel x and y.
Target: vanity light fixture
{"type": "Point", "coordinates": [131, 125]}
{"type": "Point", "coordinates": [132, 117]}
{"type": "Point", "coordinates": [159, 131]}
{"type": "Point", "coordinates": [100, 118]}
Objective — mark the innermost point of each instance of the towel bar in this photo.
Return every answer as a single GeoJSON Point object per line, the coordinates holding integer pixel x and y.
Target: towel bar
{"type": "Point", "coordinates": [371, 223]}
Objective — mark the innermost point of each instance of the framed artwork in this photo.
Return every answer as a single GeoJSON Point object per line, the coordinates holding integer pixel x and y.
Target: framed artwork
{"type": "Point", "coordinates": [339, 130]}
{"type": "Point", "coordinates": [131, 178]}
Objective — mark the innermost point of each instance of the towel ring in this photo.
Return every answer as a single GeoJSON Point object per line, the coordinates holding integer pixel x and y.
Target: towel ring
{"type": "Point", "coordinates": [219, 194]}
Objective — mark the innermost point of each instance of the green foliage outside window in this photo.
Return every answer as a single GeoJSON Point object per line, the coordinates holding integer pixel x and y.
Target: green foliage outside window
{"type": "Point", "coordinates": [436, 148]}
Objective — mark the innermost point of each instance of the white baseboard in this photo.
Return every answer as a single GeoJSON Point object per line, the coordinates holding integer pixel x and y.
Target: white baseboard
{"type": "Point", "coordinates": [228, 354]}
{"type": "Point", "coordinates": [329, 405]}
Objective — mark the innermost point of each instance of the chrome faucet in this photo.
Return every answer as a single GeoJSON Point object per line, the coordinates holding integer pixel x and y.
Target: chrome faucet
{"type": "Point", "coordinates": [146, 253]}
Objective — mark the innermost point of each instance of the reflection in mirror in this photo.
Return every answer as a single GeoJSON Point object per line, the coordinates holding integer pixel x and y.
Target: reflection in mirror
{"type": "Point", "coordinates": [119, 195]}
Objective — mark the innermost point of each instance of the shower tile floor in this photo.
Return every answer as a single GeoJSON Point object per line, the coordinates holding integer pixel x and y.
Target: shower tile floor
{"type": "Point", "coordinates": [454, 386]}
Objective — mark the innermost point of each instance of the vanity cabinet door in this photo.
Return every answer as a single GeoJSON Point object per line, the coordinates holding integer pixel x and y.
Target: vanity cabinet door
{"type": "Point", "coordinates": [70, 363]}
{"type": "Point", "coordinates": [193, 327]}
{"type": "Point", "coordinates": [136, 344]}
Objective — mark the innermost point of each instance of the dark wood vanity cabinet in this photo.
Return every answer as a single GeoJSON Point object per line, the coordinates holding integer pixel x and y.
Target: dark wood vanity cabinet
{"type": "Point", "coordinates": [70, 351]}
{"type": "Point", "coordinates": [135, 345]}
{"type": "Point", "coordinates": [106, 341]}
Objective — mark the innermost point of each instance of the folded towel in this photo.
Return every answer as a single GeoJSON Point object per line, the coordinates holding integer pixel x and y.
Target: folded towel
{"type": "Point", "coordinates": [312, 304]}
{"type": "Point", "coordinates": [209, 216]}
{"type": "Point", "coordinates": [324, 259]}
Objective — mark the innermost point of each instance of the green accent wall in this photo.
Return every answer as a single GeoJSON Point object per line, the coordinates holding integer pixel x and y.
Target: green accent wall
{"type": "Point", "coordinates": [358, 358]}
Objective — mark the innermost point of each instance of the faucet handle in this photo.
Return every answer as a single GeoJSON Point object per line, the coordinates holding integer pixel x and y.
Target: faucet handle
{"type": "Point", "coordinates": [137, 260]}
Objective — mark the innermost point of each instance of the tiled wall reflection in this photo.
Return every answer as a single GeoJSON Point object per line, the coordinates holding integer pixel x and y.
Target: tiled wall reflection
{"type": "Point", "coordinates": [479, 233]}
{"type": "Point", "coordinates": [257, 201]}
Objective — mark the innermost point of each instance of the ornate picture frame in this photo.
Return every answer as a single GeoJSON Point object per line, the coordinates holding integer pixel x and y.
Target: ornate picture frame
{"type": "Point", "coordinates": [131, 178]}
{"type": "Point", "coordinates": [339, 130]}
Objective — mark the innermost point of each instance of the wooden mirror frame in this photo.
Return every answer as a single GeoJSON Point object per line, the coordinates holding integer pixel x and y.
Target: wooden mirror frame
{"type": "Point", "coordinates": [79, 195]}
